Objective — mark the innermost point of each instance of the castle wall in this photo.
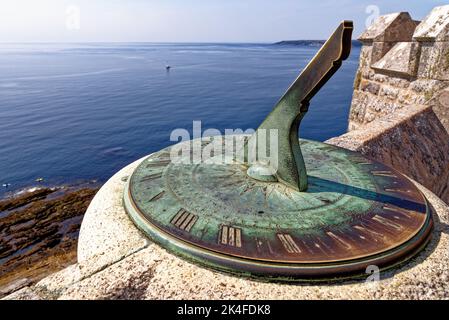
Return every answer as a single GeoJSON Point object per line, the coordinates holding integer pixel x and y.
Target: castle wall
{"type": "Point", "coordinates": [411, 69]}
{"type": "Point", "coordinates": [411, 140]}
{"type": "Point", "coordinates": [400, 107]}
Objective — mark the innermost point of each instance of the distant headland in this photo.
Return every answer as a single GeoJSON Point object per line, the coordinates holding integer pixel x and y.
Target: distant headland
{"type": "Point", "coordinates": [309, 43]}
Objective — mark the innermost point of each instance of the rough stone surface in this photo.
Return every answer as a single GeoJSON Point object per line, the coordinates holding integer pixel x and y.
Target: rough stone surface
{"type": "Point", "coordinates": [441, 107]}
{"type": "Point", "coordinates": [400, 107]}
{"type": "Point", "coordinates": [38, 233]}
{"type": "Point", "coordinates": [23, 294]}
{"type": "Point", "coordinates": [393, 61]}
{"type": "Point", "coordinates": [434, 61]}
{"type": "Point", "coordinates": [14, 286]}
{"type": "Point", "coordinates": [104, 229]}
{"type": "Point", "coordinates": [412, 140]}
{"type": "Point", "coordinates": [406, 64]}
{"type": "Point", "coordinates": [385, 32]}
{"type": "Point", "coordinates": [392, 27]}
{"type": "Point", "coordinates": [434, 27]}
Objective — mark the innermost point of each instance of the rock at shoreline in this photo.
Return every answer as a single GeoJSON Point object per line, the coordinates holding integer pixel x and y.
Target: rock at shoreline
{"type": "Point", "coordinates": [38, 234]}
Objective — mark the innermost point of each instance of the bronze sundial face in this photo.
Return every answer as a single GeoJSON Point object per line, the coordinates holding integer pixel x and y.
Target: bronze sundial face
{"type": "Point", "coordinates": [344, 213]}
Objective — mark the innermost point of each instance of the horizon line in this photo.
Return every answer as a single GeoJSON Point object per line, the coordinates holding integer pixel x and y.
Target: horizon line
{"type": "Point", "coordinates": [159, 42]}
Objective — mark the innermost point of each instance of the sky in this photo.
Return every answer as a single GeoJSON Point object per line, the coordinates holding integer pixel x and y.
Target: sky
{"type": "Point", "coordinates": [190, 20]}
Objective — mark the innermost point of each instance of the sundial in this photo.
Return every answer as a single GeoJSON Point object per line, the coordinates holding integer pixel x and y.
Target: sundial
{"type": "Point", "coordinates": [313, 211]}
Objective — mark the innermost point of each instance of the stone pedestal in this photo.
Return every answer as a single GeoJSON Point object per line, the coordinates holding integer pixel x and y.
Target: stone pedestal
{"type": "Point", "coordinates": [433, 35]}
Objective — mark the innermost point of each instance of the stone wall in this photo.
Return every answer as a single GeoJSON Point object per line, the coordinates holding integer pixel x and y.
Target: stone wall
{"type": "Point", "coordinates": [402, 63]}
{"type": "Point", "coordinates": [412, 140]}
{"type": "Point", "coordinates": [400, 107]}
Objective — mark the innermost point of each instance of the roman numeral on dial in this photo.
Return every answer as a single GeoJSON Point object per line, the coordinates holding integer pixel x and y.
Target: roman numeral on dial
{"type": "Point", "coordinates": [158, 163]}
{"type": "Point", "coordinates": [158, 196]}
{"type": "Point", "coordinates": [184, 220]}
{"type": "Point", "coordinates": [151, 177]}
{"type": "Point", "coordinates": [288, 243]}
{"type": "Point", "coordinates": [384, 173]}
{"type": "Point", "coordinates": [230, 236]}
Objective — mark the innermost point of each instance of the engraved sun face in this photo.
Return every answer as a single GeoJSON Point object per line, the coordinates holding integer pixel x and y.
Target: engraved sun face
{"type": "Point", "coordinates": [226, 193]}
{"type": "Point", "coordinates": [353, 207]}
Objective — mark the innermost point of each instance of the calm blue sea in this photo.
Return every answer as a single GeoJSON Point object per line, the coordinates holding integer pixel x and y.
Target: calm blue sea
{"type": "Point", "coordinates": [79, 112]}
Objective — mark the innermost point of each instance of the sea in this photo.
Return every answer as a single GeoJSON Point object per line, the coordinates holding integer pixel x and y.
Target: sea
{"type": "Point", "coordinates": [74, 113]}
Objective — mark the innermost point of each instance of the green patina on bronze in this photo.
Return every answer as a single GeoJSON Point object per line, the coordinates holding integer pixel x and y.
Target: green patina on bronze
{"type": "Point", "coordinates": [292, 107]}
{"type": "Point", "coordinates": [344, 213]}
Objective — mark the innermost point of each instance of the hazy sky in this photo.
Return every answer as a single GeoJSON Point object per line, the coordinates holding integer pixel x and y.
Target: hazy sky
{"type": "Point", "coordinates": [190, 20]}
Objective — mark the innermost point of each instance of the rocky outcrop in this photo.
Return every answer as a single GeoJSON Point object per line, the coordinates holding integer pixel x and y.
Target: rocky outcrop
{"type": "Point", "coordinates": [38, 234]}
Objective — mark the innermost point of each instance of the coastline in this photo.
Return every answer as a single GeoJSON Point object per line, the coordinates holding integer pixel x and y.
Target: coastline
{"type": "Point", "coordinates": [39, 229]}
